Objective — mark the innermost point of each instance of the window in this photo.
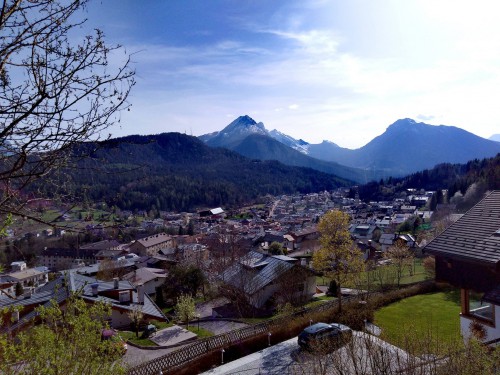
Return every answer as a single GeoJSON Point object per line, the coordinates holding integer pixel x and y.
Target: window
{"type": "Point", "coordinates": [478, 308]}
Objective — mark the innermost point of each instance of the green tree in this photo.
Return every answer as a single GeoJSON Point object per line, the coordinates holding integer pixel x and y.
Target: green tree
{"type": "Point", "coordinates": [275, 248]}
{"type": "Point", "coordinates": [67, 341]}
{"type": "Point", "coordinates": [185, 308]}
{"type": "Point", "coordinates": [338, 258]}
{"type": "Point", "coordinates": [182, 280]}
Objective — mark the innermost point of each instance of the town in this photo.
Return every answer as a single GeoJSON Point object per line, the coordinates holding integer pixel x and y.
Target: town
{"type": "Point", "coordinates": [249, 187]}
{"type": "Point", "coordinates": [241, 264]}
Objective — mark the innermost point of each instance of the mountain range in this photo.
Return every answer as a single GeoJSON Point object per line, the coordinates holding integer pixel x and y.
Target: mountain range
{"type": "Point", "coordinates": [405, 147]}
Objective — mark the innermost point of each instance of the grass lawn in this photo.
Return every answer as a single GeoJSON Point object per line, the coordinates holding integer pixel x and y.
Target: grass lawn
{"type": "Point", "coordinates": [318, 301]}
{"type": "Point", "coordinates": [417, 274]}
{"type": "Point", "coordinates": [430, 317]}
{"type": "Point", "coordinates": [130, 336]}
{"type": "Point", "coordinates": [202, 333]}
{"type": "Point", "coordinates": [253, 320]}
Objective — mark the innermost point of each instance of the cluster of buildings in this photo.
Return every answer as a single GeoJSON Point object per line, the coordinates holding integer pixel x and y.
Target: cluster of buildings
{"type": "Point", "coordinates": [233, 248]}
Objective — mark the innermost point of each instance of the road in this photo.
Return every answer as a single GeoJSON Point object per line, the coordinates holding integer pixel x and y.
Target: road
{"type": "Point", "coordinates": [366, 353]}
{"type": "Point", "coordinates": [275, 204]}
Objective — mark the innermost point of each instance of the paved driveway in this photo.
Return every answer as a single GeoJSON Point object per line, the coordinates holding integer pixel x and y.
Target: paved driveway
{"type": "Point", "coordinates": [366, 353]}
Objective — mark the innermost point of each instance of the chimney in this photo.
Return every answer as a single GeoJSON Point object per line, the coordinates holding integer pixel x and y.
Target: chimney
{"type": "Point", "coordinates": [94, 287]}
{"type": "Point", "coordinates": [116, 282]}
{"type": "Point", "coordinates": [140, 294]}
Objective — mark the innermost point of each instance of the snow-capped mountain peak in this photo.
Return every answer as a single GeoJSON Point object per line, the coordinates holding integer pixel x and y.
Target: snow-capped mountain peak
{"type": "Point", "coordinates": [299, 145]}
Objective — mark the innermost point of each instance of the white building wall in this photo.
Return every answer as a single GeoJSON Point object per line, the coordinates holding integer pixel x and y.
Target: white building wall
{"type": "Point", "coordinates": [119, 318]}
{"type": "Point", "coordinates": [492, 333]}
{"type": "Point", "coordinates": [259, 299]}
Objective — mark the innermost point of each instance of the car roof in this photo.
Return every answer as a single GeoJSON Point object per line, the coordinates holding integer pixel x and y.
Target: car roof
{"type": "Point", "coordinates": [107, 333]}
{"type": "Point", "coordinates": [317, 327]}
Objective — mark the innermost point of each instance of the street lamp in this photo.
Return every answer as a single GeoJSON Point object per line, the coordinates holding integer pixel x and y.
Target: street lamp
{"type": "Point", "coordinates": [310, 322]}
{"type": "Point", "coordinates": [222, 356]}
{"type": "Point", "coordinates": [269, 339]}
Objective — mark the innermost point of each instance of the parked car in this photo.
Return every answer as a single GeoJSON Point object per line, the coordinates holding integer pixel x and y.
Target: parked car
{"type": "Point", "coordinates": [324, 337]}
{"type": "Point", "coordinates": [115, 338]}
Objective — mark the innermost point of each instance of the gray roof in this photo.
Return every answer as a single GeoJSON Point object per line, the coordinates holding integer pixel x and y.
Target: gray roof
{"type": "Point", "coordinates": [60, 289]}
{"type": "Point", "coordinates": [386, 239]}
{"type": "Point", "coordinates": [83, 283]}
{"type": "Point", "coordinates": [143, 275]}
{"type": "Point", "coordinates": [155, 239]}
{"type": "Point", "coordinates": [102, 245]}
{"type": "Point", "coordinates": [256, 270]}
{"type": "Point", "coordinates": [475, 236]}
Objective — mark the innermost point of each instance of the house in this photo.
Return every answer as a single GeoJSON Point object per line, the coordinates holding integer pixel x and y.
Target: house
{"type": "Point", "coordinates": [289, 242]}
{"type": "Point", "coordinates": [150, 278]}
{"type": "Point", "coordinates": [261, 277]}
{"type": "Point", "coordinates": [387, 240]}
{"type": "Point", "coordinates": [310, 233]}
{"type": "Point", "coordinates": [152, 244]}
{"type": "Point", "coordinates": [121, 295]}
{"type": "Point", "coordinates": [102, 245]}
{"type": "Point", "coordinates": [28, 277]}
{"type": "Point", "coordinates": [362, 231]}
{"type": "Point", "coordinates": [468, 257]}
{"type": "Point", "coordinates": [57, 259]}
{"type": "Point", "coordinates": [214, 213]}
{"type": "Point", "coordinates": [114, 267]}
{"type": "Point", "coordinates": [192, 253]}
{"type": "Point", "coordinates": [383, 223]}
{"type": "Point", "coordinates": [110, 254]}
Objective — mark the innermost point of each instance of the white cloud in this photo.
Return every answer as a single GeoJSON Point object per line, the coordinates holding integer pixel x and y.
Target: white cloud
{"type": "Point", "coordinates": [346, 95]}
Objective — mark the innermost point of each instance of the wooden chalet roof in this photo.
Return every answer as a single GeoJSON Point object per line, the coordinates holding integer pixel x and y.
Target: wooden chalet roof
{"type": "Point", "coordinates": [475, 236]}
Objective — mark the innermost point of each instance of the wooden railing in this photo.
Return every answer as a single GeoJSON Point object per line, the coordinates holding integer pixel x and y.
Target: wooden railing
{"type": "Point", "coordinates": [182, 356]}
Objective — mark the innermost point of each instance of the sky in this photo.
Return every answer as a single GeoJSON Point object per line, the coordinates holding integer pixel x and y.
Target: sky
{"type": "Point", "coordinates": [341, 71]}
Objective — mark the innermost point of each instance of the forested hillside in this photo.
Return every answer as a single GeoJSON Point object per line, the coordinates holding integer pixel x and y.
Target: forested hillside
{"type": "Point", "coordinates": [172, 171]}
{"type": "Point", "coordinates": [482, 175]}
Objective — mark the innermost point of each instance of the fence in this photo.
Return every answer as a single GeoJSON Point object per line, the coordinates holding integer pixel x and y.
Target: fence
{"type": "Point", "coordinates": [183, 355]}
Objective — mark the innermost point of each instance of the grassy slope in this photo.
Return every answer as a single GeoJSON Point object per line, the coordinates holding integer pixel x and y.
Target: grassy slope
{"type": "Point", "coordinates": [418, 275]}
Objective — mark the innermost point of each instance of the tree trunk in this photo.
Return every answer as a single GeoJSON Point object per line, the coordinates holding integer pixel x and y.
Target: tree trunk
{"type": "Point", "coordinates": [339, 296]}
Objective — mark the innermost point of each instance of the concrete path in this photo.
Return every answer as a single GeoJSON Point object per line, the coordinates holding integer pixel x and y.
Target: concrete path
{"type": "Point", "coordinates": [218, 327]}
{"type": "Point", "coordinates": [172, 336]}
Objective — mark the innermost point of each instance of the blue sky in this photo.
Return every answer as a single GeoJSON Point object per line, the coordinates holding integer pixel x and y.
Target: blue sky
{"type": "Point", "coordinates": [318, 70]}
